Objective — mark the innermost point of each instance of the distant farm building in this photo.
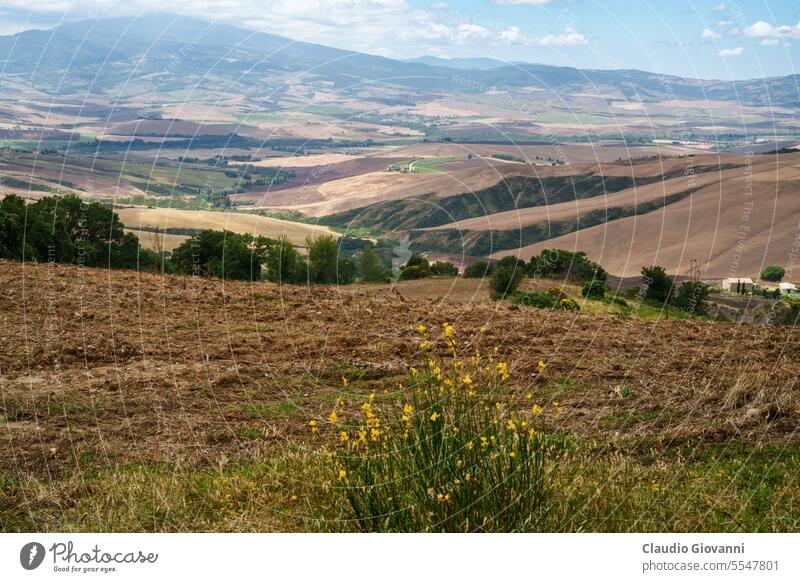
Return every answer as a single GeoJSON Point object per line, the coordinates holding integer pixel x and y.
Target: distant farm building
{"type": "Point", "coordinates": [737, 285]}
{"type": "Point", "coordinates": [788, 288]}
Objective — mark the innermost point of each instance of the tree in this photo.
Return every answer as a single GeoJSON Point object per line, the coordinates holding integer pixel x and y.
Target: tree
{"type": "Point", "coordinates": [479, 269]}
{"type": "Point", "coordinates": [567, 265]}
{"type": "Point", "coordinates": [692, 296]}
{"type": "Point", "coordinates": [657, 284]}
{"type": "Point", "coordinates": [444, 269]}
{"type": "Point", "coordinates": [371, 269]}
{"type": "Point", "coordinates": [223, 254]}
{"type": "Point", "coordinates": [323, 255]}
{"type": "Point", "coordinates": [417, 267]}
{"type": "Point", "coordinates": [505, 281]}
{"type": "Point", "coordinates": [773, 273]}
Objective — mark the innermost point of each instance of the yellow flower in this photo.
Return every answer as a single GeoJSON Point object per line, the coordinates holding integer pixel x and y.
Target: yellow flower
{"type": "Point", "coordinates": [448, 330]}
{"type": "Point", "coordinates": [484, 442]}
{"type": "Point", "coordinates": [424, 344]}
{"type": "Point", "coordinates": [313, 425]}
{"type": "Point", "coordinates": [421, 328]}
{"type": "Point", "coordinates": [512, 454]}
{"type": "Point", "coordinates": [293, 497]}
{"type": "Point", "coordinates": [502, 369]}
{"type": "Point", "coordinates": [455, 430]}
{"type": "Point", "coordinates": [344, 382]}
{"type": "Point", "coordinates": [342, 474]}
{"type": "Point", "coordinates": [430, 490]}
{"type": "Point", "coordinates": [466, 380]}
{"type": "Point", "coordinates": [333, 417]}
{"type": "Point", "coordinates": [459, 462]}
{"type": "Point", "coordinates": [434, 416]}
{"type": "Point", "coordinates": [468, 477]}
{"type": "Point", "coordinates": [413, 371]}
{"type": "Point", "coordinates": [343, 436]}
{"type": "Point", "coordinates": [470, 445]}
{"type": "Point", "coordinates": [408, 409]}
{"type": "Point", "coordinates": [542, 366]}
{"type": "Point", "coordinates": [482, 330]}
{"type": "Point", "coordinates": [536, 410]}
{"type": "Point", "coordinates": [511, 425]}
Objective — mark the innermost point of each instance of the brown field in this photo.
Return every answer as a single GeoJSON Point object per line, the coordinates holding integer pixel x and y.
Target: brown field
{"type": "Point", "coordinates": [138, 217]}
{"type": "Point", "coordinates": [624, 198]}
{"type": "Point", "coordinates": [104, 371]}
{"type": "Point", "coordinates": [734, 228]}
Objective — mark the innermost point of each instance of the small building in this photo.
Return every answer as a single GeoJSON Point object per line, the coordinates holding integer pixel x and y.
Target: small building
{"type": "Point", "coordinates": [737, 285]}
{"type": "Point", "coordinates": [787, 288]}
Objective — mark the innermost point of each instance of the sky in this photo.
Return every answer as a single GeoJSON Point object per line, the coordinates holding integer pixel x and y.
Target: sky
{"type": "Point", "coordinates": [706, 39]}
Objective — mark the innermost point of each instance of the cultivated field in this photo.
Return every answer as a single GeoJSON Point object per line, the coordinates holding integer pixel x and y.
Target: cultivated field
{"type": "Point", "coordinates": [169, 218]}
{"type": "Point", "coordinates": [135, 402]}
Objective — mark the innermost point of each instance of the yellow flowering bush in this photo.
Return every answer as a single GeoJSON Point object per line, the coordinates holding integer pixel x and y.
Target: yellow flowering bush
{"type": "Point", "coordinates": [445, 452]}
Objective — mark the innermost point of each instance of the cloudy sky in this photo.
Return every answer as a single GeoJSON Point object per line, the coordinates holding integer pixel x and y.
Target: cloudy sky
{"type": "Point", "coordinates": [706, 39]}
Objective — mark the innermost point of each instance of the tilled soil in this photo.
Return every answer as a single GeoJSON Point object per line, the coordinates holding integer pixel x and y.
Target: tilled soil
{"type": "Point", "coordinates": [105, 367]}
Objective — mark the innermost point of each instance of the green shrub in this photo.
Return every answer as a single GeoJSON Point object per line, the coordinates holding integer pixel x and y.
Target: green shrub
{"type": "Point", "coordinates": [413, 272]}
{"type": "Point", "coordinates": [479, 270]}
{"type": "Point", "coordinates": [773, 273]}
{"type": "Point", "coordinates": [567, 265]}
{"type": "Point", "coordinates": [444, 269]}
{"type": "Point", "coordinates": [505, 281]}
{"type": "Point", "coordinates": [448, 454]}
{"type": "Point", "coordinates": [417, 267]}
{"type": "Point", "coordinates": [594, 290]}
{"type": "Point", "coordinates": [547, 300]}
{"type": "Point", "coordinates": [285, 264]}
{"type": "Point", "coordinates": [692, 297]}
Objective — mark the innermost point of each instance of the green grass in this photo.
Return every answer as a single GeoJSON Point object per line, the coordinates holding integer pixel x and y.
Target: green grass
{"type": "Point", "coordinates": [272, 410]}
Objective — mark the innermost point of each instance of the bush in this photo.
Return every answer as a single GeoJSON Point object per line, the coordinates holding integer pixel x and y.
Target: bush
{"type": "Point", "coordinates": [567, 265]}
{"type": "Point", "coordinates": [657, 284]}
{"type": "Point", "coordinates": [505, 281]}
{"type": "Point", "coordinates": [479, 270]}
{"type": "Point", "coordinates": [447, 455]}
{"type": "Point", "coordinates": [444, 269]}
{"type": "Point", "coordinates": [692, 297]}
{"type": "Point", "coordinates": [594, 290]}
{"type": "Point", "coordinates": [773, 273]}
{"type": "Point", "coordinates": [413, 272]}
{"type": "Point", "coordinates": [417, 267]}
{"type": "Point", "coordinates": [548, 300]}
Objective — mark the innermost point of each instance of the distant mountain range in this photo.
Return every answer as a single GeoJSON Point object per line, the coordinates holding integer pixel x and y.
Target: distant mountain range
{"type": "Point", "coordinates": [122, 56]}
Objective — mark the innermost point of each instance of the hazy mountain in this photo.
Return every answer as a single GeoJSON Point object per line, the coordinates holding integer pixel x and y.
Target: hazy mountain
{"type": "Point", "coordinates": [460, 63]}
{"type": "Point", "coordinates": [164, 53]}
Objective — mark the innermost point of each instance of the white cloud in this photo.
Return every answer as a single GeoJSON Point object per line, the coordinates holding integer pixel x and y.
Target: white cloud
{"type": "Point", "coordinates": [725, 23]}
{"type": "Point", "coordinates": [529, 2]}
{"type": "Point", "coordinates": [719, 7]}
{"type": "Point", "coordinates": [708, 33]}
{"type": "Point", "coordinates": [734, 52]}
{"type": "Point", "coordinates": [470, 33]}
{"type": "Point", "coordinates": [762, 29]}
{"type": "Point", "coordinates": [511, 34]}
{"type": "Point", "coordinates": [570, 37]}
{"type": "Point", "coordinates": [770, 42]}
{"type": "Point", "coordinates": [439, 6]}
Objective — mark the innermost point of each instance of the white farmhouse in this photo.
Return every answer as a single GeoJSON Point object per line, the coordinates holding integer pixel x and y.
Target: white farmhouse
{"type": "Point", "coordinates": [788, 288]}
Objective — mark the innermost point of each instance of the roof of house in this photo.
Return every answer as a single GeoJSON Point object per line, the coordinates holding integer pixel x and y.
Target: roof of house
{"type": "Point", "coordinates": [747, 280]}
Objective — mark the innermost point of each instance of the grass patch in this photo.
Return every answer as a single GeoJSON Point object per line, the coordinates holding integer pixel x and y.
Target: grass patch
{"type": "Point", "coordinates": [271, 410]}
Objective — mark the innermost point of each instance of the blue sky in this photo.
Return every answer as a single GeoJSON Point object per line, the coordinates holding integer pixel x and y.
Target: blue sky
{"type": "Point", "coordinates": [704, 38]}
